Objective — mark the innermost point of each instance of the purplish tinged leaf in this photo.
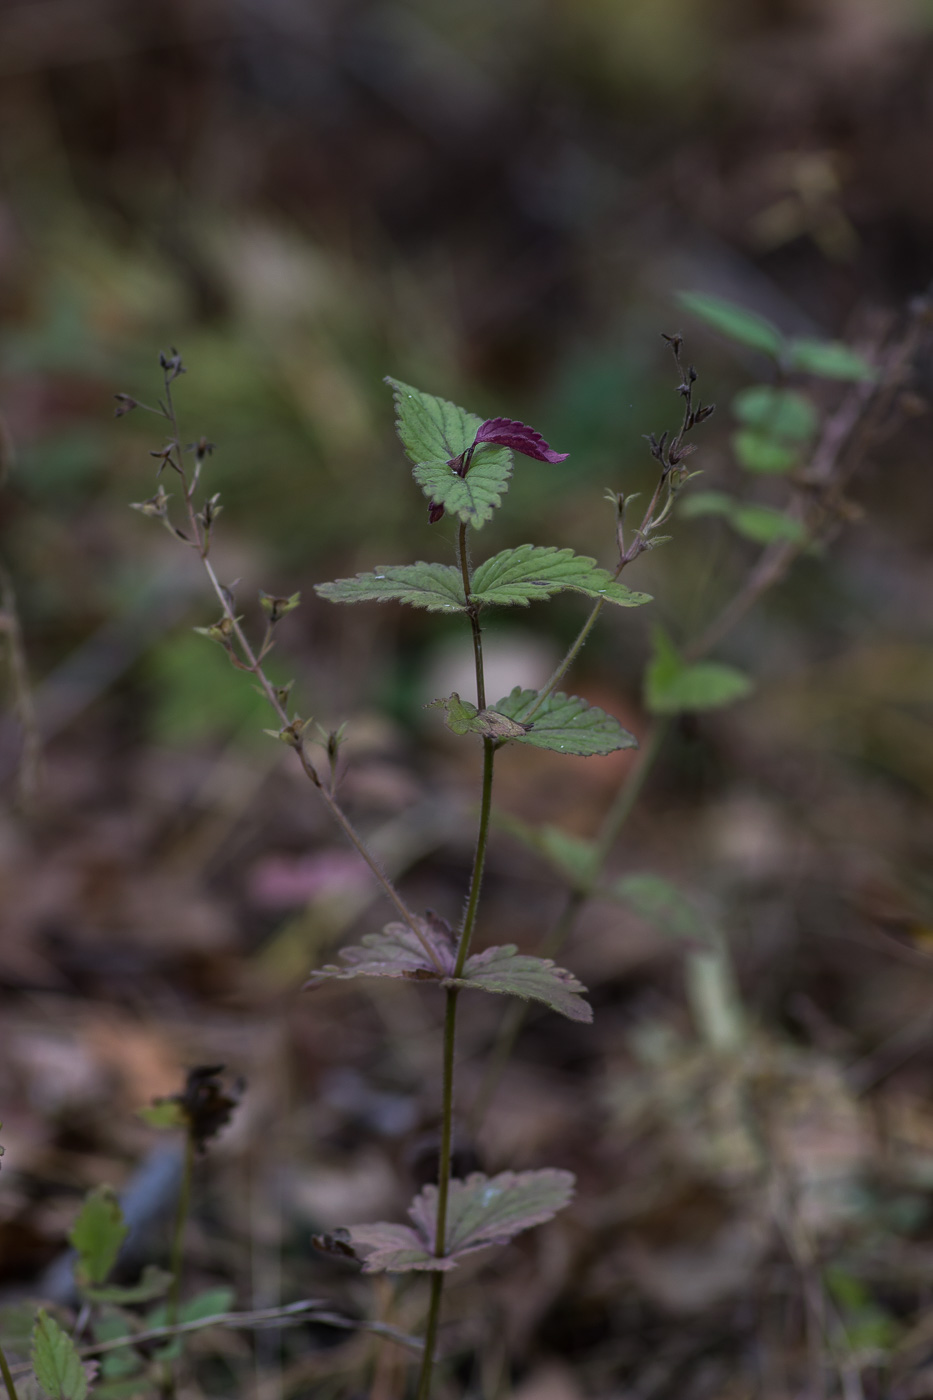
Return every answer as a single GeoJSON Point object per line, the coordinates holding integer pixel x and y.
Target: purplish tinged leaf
{"type": "Point", "coordinates": [509, 432]}
{"type": "Point", "coordinates": [531, 572]}
{"type": "Point", "coordinates": [437, 587]}
{"type": "Point", "coordinates": [829, 359]}
{"type": "Point", "coordinates": [510, 973]}
{"type": "Point", "coordinates": [462, 717]}
{"type": "Point", "coordinates": [56, 1362]}
{"type": "Point", "coordinates": [571, 856]}
{"type": "Point", "coordinates": [398, 952]}
{"type": "Point", "coordinates": [734, 322]}
{"type": "Point", "coordinates": [778, 413]}
{"type": "Point", "coordinates": [660, 903]}
{"type": "Point", "coordinates": [435, 433]}
{"type": "Point", "coordinates": [481, 1211]}
{"type": "Point", "coordinates": [671, 686]}
{"type": "Point", "coordinates": [97, 1235]}
{"type": "Point", "coordinates": [566, 724]}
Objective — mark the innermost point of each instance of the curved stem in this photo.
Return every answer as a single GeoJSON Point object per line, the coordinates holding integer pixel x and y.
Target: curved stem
{"type": "Point", "coordinates": [7, 1378]}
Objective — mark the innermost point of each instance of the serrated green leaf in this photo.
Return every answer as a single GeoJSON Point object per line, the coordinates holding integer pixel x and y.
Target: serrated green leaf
{"type": "Point", "coordinates": [97, 1235]}
{"type": "Point", "coordinates": [462, 717]}
{"type": "Point", "coordinates": [506, 971]}
{"type": "Point", "coordinates": [779, 413]}
{"type": "Point", "coordinates": [481, 1211]}
{"type": "Point", "coordinates": [432, 432]}
{"type": "Point", "coordinates": [566, 724]}
{"type": "Point", "coordinates": [671, 686]}
{"type": "Point", "coordinates": [734, 322]}
{"type": "Point", "coordinates": [56, 1362]}
{"type": "Point", "coordinates": [517, 577]}
{"type": "Point", "coordinates": [830, 359]}
{"type": "Point", "coordinates": [763, 524]}
{"type": "Point", "coordinates": [660, 903]}
{"type": "Point", "coordinates": [437, 587]}
{"type": "Point", "coordinates": [167, 1114]}
{"type": "Point", "coordinates": [759, 453]}
{"type": "Point", "coordinates": [473, 497]}
{"type": "Point", "coordinates": [571, 856]}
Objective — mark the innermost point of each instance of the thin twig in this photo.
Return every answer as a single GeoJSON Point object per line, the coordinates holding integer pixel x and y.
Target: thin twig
{"type": "Point", "coordinates": [290, 1315]}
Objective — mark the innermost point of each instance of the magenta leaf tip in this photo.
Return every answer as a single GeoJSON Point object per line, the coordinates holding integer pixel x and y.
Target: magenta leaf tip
{"type": "Point", "coordinates": [509, 432]}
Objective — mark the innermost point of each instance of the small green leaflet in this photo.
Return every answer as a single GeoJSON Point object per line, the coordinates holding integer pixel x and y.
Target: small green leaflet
{"type": "Point", "coordinates": [530, 572]}
{"type": "Point", "coordinates": [734, 322]}
{"type": "Point", "coordinates": [566, 724]}
{"type": "Point", "coordinates": [462, 717]}
{"type": "Point", "coordinates": [671, 686]}
{"type": "Point", "coordinates": [432, 431]}
{"type": "Point", "coordinates": [481, 1211]}
{"type": "Point", "coordinates": [660, 903]}
{"type": "Point", "coordinates": [829, 359]}
{"type": "Point", "coordinates": [437, 587]}
{"type": "Point", "coordinates": [56, 1362]}
{"type": "Point", "coordinates": [97, 1235]}
{"type": "Point", "coordinates": [778, 413]}
{"type": "Point", "coordinates": [762, 524]}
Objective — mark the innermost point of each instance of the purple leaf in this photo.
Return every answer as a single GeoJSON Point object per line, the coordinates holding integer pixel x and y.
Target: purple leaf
{"type": "Point", "coordinates": [435, 513]}
{"type": "Point", "coordinates": [396, 952]}
{"type": "Point", "coordinates": [505, 970]}
{"type": "Point", "coordinates": [509, 432]}
{"type": "Point", "coordinates": [481, 1211]}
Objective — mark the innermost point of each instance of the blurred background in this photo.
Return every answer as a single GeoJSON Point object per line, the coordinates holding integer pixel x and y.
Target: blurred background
{"type": "Point", "coordinates": [497, 204]}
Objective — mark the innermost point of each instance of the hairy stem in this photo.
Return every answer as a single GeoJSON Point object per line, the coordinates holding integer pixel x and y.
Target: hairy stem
{"type": "Point", "coordinates": [7, 1377]}
{"type": "Point", "coordinates": [450, 1013]}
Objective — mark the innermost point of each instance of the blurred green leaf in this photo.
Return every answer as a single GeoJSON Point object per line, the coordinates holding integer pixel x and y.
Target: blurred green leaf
{"type": "Point", "coordinates": [671, 686]}
{"type": "Point", "coordinates": [764, 524]}
{"type": "Point", "coordinates": [97, 1234]}
{"type": "Point", "coordinates": [56, 1362]}
{"type": "Point", "coordinates": [830, 359]}
{"type": "Point", "coordinates": [781, 413]}
{"type": "Point", "coordinates": [571, 856]}
{"type": "Point", "coordinates": [734, 322]}
{"type": "Point", "coordinates": [660, 903]}
{"type": "Point", "coordinates": [757, 452]}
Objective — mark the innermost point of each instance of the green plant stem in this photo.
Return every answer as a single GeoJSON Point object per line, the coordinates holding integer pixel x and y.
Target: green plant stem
{"type": "Point", "coordinates": [443, 1191]}
{"type": "Point", "coordinates": [7, 1377]}
{"type": "Point", "coordinates": [450, 1012]}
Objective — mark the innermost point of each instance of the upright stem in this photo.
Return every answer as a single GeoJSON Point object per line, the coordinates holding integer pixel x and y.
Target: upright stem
{"type": "Point", "coordinates": [450, 1013]}
{"type": "Point", "coordinates": [7, 1378]}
